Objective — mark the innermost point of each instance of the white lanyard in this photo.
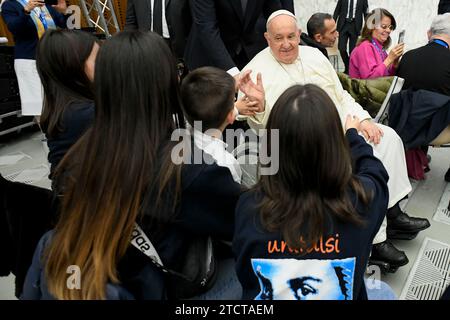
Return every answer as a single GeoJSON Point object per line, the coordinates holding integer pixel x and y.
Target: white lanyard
{"type": "Point", "coordinates": [140, 240]}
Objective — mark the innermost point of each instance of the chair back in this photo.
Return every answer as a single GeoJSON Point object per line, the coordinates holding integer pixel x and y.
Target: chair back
{"type": "Point", "coordinates": [396, 87]}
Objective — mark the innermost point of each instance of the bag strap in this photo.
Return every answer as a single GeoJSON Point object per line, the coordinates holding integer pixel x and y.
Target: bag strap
{"type": "Point", "coordinates": [140, 241]}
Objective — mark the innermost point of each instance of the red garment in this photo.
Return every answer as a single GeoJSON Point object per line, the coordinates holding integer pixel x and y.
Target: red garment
{"type": "Point", "coordinates": [417, 163]}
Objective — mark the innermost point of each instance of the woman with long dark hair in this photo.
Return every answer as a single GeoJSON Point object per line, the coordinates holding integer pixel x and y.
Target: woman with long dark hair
{"type": "Point", "coordinates": [65, 62]}
{"type": "Point", "coordinates": [121, 173]}
{"type": "Point", "coordinates": [306, 231]}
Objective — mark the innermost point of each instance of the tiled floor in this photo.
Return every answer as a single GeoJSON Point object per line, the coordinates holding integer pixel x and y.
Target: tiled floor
{"type": "Point", "coordinates": [423, 201]}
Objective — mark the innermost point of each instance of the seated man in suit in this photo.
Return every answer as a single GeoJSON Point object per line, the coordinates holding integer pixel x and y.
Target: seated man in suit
{"type": "Point", "coordinates": [322, 32]}
{"type": "Point", "coordinates": [428, 67]}
{"type": "Point", "coordinates": [169, 18]}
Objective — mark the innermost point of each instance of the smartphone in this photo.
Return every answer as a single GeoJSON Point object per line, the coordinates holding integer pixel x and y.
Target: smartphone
{"type": "Point", "coordinates": [51, 2]}
{"type": "Point", "coordinates": [401, 37]}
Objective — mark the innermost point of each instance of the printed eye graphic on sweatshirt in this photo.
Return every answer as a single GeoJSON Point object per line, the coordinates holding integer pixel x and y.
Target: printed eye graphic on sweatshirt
{"type": "Point", "coordinates": [292, 279]}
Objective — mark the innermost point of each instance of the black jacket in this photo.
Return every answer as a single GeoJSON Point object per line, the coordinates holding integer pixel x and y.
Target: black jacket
{"type": "Point", "coordinates": [444, 6]}
{"type": "Point", "coordinates": [288, 5]}
{"type": "Point", "coordinates": [208, 199]}
{"type": "Point", "coordinates": [220, 30]}
{"type": "Point", "coordinates": [341, 11]}
{"type": "Point", "coordinates": [419, 117]}
{"type": "Point", "coordinates": [427, 68]}
{"type": "Point", "coordinates": [23, 28]}
{"type": "Point", "coordinates": [305, 40]}
{"type": "Point", "coordinates": [178, 19]}
{"type": "Point", "coordinates": [268, 269]}
{"type": "Point", "coordinates": [26, 213]}
{"type": "Point", "coordinates": [77, 118]}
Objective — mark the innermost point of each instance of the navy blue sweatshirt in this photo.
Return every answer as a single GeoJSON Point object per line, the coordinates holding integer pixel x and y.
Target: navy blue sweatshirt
{"type": "Point", "coordinates": [208, 199]}
{"type": "Point", "coordinates": [77, 118]}
{"type": "Point", "coordinates": [23, 28]}
{"type": "Point", "coordinates": [334, 267]}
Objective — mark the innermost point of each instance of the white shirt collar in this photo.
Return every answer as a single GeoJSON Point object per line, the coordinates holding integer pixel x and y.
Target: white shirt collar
{"type": "Point", "coordinates": [217, 149]}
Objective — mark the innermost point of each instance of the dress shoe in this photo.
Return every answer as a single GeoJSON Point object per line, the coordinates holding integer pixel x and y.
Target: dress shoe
{"type": "Point", "coordinates": [386, 252]}
{"type": "Point", "coordinates": [403, 223]}
{"type": "Point", "coordinates": [447, 175]}
{"type": "Point", "coordinates": [396, 235]}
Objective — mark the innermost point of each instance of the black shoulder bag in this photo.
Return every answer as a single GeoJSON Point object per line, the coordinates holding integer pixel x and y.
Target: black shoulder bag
{"type": "Point", "coordinates": [199, 270]}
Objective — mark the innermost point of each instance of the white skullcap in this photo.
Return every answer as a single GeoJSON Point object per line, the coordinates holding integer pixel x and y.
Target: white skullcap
{"type": "Point", "coordinates": [279, 13]}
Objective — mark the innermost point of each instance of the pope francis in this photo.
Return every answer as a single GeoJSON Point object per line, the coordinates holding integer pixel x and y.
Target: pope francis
{"type": "Point", "coordinates": [283, 64]}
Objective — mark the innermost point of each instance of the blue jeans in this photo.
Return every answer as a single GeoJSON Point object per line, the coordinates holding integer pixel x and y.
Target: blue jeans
{"type": "Point", "coordinates": [379, 290]}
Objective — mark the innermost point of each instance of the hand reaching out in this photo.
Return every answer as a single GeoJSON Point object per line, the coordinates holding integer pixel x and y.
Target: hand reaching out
{"type": "Point", "coordinates": [254, 92]}
{"type": "Point", "coordinates": [371, 131]}
{"type": "Point", "coordinates": [352, 122]}
{"type": "Point", "coordinates": [246, 107]}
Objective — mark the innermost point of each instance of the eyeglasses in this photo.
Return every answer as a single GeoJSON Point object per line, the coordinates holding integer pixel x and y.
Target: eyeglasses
{"type": "Point", "coordinates": [280, 39]}
{"type": "Point", "coordinates": [385, 27]}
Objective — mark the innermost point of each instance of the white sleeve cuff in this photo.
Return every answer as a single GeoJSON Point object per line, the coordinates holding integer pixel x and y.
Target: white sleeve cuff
{"type": "Point", "coordinates": [233, 71]}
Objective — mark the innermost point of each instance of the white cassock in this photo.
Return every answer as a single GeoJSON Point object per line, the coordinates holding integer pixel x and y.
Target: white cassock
{"type": "Point", "coordinates": [313, 67]}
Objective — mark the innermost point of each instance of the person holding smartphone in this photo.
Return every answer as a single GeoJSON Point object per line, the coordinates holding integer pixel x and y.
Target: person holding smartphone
{"type": "Point", "coordinates": [28, 20]}
{"type": "Point", "coordinates": [370, 59]}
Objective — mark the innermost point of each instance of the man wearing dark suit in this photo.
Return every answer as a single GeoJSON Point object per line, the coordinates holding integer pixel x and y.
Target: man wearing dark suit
{"type": "Point", "coordinates": [349, 15]}
{"type": "Point", "coordinates": [444, 6]}
{"type": "Point", "coordinates": [173, 25]}
{"type": "Point", "coordinates": [223, 33]}
{"type": "Point", "coordinates": [288, 5]}
{"type": "Point", "coordinates": [428, 67]}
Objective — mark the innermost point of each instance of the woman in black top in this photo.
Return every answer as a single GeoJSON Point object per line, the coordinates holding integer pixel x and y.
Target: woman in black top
{"type": "Point", "coordinates": [65, 62]}
{"type": "Point", "coordinates": [306, 232]}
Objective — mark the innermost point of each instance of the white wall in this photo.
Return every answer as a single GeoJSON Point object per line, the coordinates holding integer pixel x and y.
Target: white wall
{"type": "Point", "coordinates": [414, 16]}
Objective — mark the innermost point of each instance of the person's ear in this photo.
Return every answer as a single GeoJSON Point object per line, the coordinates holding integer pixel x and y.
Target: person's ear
{"type": "Point", "coordinates": [231, 116]}
{"type": "Point", "coordinates": [429, 34]}
{"type": "Point", "coordinates": [267, 36]}
{"type": "Point", "coordinates": [318, 38]}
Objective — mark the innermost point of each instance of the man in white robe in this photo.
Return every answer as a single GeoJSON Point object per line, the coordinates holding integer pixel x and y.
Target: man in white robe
{"type": "Point", "coordinates": [284, 64]}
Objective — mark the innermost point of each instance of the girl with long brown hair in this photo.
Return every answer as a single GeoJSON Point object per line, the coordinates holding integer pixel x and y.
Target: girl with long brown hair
{"type": "Point", "coordinates": [306, 231]}
{"type": "Point", "coordinates": [121, 173]}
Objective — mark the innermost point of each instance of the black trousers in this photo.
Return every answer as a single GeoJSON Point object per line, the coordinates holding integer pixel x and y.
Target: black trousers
{"type": "Point", "coordinates": [347, 36]}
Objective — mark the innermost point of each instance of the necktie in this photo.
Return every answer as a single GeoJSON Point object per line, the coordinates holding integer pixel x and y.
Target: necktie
{"type": "Point", "coordinates": [157, 16]}
{"type": "Point", "coordinates": [350, 11]}
{"type": "Point", "coordinates": [244, 5]}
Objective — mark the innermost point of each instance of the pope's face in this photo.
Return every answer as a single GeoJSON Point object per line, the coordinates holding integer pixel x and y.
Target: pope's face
{"type": "Point", "coordinates": [283, 38]}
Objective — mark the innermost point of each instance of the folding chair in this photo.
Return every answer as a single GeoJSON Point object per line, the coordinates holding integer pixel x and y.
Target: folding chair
{"type": "Point", "coordinates": [396, 87]}
{"type": "Point", "coordinates": [247, 156]}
